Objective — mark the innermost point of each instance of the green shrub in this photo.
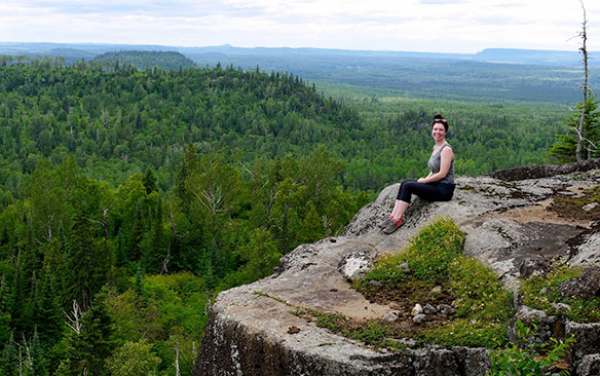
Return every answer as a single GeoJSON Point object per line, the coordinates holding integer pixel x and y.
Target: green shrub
{"type": "Point", "coordinates": [483, 307]}
{"type": "Point", "coordinates": [467, 332]}
{"type": "Point", "coordinates": [523, 357]}
{"type": "Point", "coordinates": [479, 293]}
{"type": "Point", "coordinates": [428, 255]}
{"type": "Point", "coordinates": [387, 272]}
{"type": "Point", "coordinates": [432, 251]}
{"type": "Point", "coordinates": [541, 291]}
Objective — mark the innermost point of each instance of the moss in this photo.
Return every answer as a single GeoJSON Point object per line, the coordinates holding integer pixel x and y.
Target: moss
{"type": "Point", "coordinates": [465, 332]}
{"type": "Point", "coordinates": [263, 294]}
{"type": "Point", "coordinates": [541, 292]}
{"type": "Point", "coordinates": [480, 295]}
{"type": "Point", "coordinates": [373, 332]}
{"type": "Point", "coordinates": [572, 207]}
{"type": "Point", "coordinates": [336, 322]}
{"type": "Point", "coordinates": [435, 256]}
{"type": "Point", "coordinates": [484, 307]}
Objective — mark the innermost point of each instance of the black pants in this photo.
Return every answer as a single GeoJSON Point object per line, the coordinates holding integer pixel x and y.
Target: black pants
{"type": "Point", "coordinates": [427, 191]}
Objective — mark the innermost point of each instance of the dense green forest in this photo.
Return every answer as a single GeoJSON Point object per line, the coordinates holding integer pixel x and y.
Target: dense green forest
{"type": "Point", "coordinates": [121, 121]}
{"type": "Point", "coordinates": [129, 197]}
{"type": "Point", "coordinates": [168, 60]}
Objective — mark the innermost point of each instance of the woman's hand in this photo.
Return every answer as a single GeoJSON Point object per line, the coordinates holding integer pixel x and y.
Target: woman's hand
{"type": "Point", "coordinates": [421, 180]}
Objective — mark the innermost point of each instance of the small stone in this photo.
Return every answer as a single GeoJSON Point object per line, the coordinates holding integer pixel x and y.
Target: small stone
{"type": "Point", "coordinates": [561, 307]}
{"type": "Point", "coordinates": [590, 207]}
{"type": "Point", "coordinates": [544, 291]}
{"type": "Point", "coordinates": [404, 266]}
{"type": "Point", "coordinates": [293, 330]}
{"type": "Point", "coordinates": [374, 283]}
{"type": "Point", "coordinates": [417, 310]}
{"type": "Point", "coordinates": [446, 309]}
{"type": "Point", "coordinates": [437, 289]}
{"type": "Point", "coordinates": [391, 317]}
{"type": "Point", "coordinates": [419, 319]}
{"type": "Point", "coordinates": [429, 309]}
{"type": "Point", "coordinates": [333, 240]}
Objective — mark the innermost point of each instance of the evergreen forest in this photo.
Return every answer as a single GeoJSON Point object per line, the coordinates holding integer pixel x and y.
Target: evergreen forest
{"type": "Point", "coordinates": [130, 196]}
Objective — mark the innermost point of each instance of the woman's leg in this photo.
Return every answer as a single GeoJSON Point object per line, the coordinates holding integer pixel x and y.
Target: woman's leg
{"type": "Point", "coordinates": [429, 192]}
{"type": "Point", "coordinates": [400, 207]}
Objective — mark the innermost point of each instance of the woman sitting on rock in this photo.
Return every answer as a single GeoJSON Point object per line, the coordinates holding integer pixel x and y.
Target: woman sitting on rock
{"type": "Point", "coordinates": [437, 186]}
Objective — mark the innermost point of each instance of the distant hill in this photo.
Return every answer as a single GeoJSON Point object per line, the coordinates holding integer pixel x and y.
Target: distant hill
{"type": "Point", "coordinates": [168, 60]}
{"type": "Point", "coordinates": [71, 55]}
{"type": "Point", "coordinates": [494, 74]}
{"type": "Point", "coordinates": [539, 57]}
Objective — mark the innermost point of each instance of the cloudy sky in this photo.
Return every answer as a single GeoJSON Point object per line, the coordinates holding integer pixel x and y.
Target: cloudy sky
{"type": "Point", "coordinates": [402, 25]}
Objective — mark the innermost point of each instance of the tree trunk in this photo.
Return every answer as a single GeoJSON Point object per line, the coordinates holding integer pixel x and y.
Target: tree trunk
{"type": "Point", "coordinates": [583, 49]}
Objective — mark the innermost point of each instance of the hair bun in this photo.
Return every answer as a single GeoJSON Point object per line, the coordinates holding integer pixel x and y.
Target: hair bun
{"type": "Point", "coordinates": [438, 116]}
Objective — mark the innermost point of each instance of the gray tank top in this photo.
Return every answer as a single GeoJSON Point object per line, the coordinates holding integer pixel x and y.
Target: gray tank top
{"type": "Point", "coordinates": [435, 162]}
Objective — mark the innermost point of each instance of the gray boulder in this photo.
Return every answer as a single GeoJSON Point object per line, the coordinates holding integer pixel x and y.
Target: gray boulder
{"type": "Point", "coordinates": [587, 337]}
{"type": "Point", "coordinates": [589, 365]}
{"type": "Point", "coordinates": [586, 285]}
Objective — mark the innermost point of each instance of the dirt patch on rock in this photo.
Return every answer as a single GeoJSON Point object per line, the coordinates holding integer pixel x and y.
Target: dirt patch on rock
{"type": "Point", "coordinates": [403, 299]}
{"type": "Point", "coordinates": [572, 205]}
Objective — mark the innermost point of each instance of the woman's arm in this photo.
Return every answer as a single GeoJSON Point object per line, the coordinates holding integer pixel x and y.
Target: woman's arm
{"type": "Point", "coordinates": [446, 159]}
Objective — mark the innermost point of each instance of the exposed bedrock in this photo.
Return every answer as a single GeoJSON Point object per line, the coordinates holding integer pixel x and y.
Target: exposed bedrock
{"type": "Point", "coordinates": [252, 329]}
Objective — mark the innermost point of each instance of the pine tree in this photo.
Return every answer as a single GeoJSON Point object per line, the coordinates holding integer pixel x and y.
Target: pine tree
{"type": "Point", "coordinates": [36, 361]}
{"type": "Point", "coordinates": [9, 358]}
{"type": "Point", "coordinates": [189, 165]}
{"type": "Point", "coordinates": [565, 149]}
{"type": "Point", "coordinates": [92, 346]}
{"type": "Point", "coordinates": [261, 253]}
{"type": "Point", "coordinates": [312, 228]}
{"type": "Point", "coordinates": [5, 306]}
{"type": "Point", "coordinates": [48, 313]}
{"type": "Point", "coordinates": [154, 251]}
{"type": "Point", "coordinates": [149, 180]}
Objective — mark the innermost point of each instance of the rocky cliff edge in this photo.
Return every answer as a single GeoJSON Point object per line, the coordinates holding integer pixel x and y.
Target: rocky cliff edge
{"type": "Point", "coordinates": [252, 330]}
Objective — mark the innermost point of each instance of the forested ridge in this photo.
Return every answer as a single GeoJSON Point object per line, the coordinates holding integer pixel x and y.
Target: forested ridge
{"type": "Point", "coordinates": [147, 59]}
{"type": "Point", "coordinates": [129, 197]}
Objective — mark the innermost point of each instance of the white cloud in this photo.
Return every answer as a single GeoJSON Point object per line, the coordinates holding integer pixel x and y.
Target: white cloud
{"type": "Point", "coordinates": [425, 25]}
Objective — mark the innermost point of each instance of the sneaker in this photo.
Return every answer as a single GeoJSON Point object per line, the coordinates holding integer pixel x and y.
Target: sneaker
{"type": "Point", "coordinates": [386, 222]}
{"type": "Point", "coordinates": [392, 227]}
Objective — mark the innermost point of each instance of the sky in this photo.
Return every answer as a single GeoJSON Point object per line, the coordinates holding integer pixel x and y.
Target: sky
{"type": "Point", "coordinates": [457, 26]}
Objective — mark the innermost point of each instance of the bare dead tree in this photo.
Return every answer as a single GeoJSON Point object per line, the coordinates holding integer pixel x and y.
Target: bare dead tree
{"type": "Point", "coordinates": [104, 223]}
{"type": "Point", "coordinates": [164, 269]}
{"type": "Point", "coordinates": [177, 372]}
{"type": "Point", "coordinates": [583, 50]}
{"type": "Point", "coordinates": [74, 319]}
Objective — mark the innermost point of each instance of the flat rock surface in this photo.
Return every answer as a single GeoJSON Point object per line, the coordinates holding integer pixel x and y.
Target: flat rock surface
{"type": "Point", "coordinates": [506, 223]}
